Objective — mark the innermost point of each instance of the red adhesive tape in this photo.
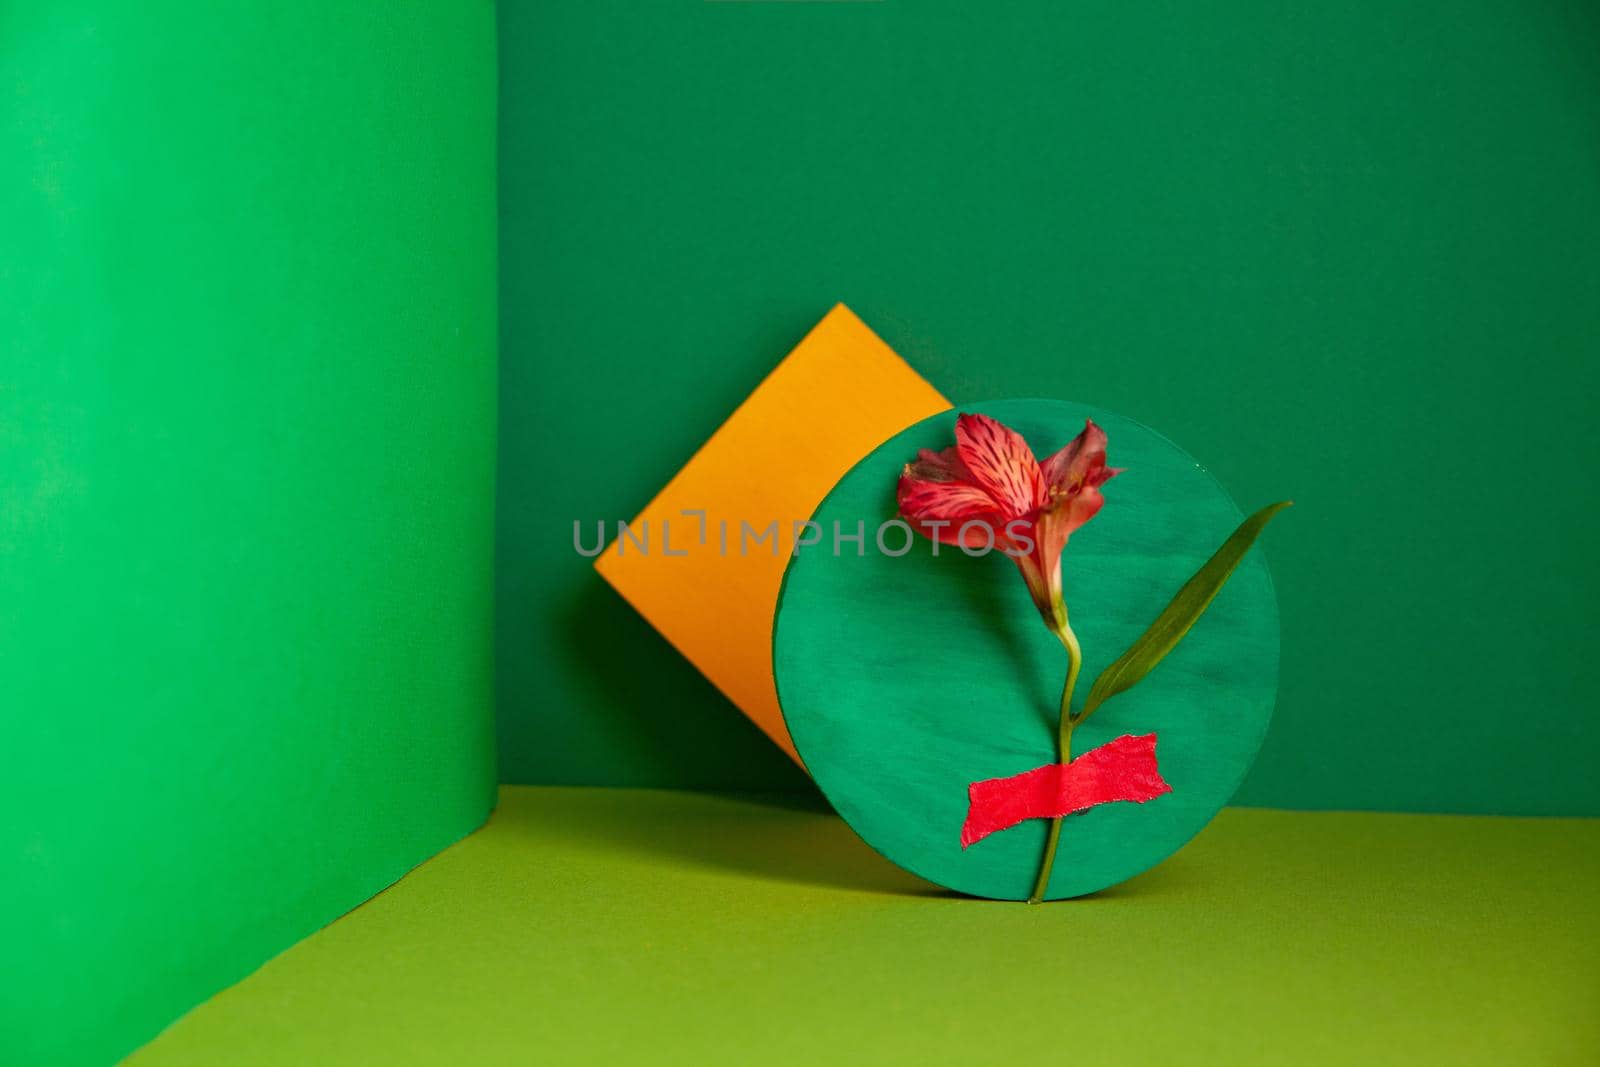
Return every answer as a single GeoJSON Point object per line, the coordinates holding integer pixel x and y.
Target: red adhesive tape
{"type": "Point", "coordinates": [1124, 769]}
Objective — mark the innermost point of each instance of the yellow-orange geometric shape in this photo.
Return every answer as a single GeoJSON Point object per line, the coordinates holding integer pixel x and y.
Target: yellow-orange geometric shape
{"type": "Point", "coordinates": [709, 583]}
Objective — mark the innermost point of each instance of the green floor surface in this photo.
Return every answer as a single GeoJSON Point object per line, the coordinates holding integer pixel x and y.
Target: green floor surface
{"type": "Point", "coordinates": [591, 926]}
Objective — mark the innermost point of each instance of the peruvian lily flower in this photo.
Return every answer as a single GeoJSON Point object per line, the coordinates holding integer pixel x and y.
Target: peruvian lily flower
{"type": "Point", "coordinates": [989, 491]}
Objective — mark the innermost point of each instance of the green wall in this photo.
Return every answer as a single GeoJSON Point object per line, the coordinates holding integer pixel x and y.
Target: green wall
{"type": "Point", "coordinates": [247, 418]}
{"type": "Point", "coordinates": [1347, 253]}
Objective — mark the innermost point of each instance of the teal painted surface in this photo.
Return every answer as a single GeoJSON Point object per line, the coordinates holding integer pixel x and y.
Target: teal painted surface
{"type": "Point", "coordinates": [1347, 253]}
{"type": "Point", "coordinates": [247, 407]}
{"type": "Point", "coordinates": [905, 678]}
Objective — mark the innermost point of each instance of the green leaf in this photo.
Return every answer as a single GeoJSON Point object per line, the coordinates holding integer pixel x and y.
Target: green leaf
{"type": "Point", "coordinates": [1185, 609]}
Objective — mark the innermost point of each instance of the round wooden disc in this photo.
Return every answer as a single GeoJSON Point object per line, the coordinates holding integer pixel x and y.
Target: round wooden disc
{"type": "Point", "coordinates": [904, 678]}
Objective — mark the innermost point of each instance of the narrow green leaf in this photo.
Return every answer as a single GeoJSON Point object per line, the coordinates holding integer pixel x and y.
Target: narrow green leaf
{"type": "Point", "coordinates": [1187, 607]}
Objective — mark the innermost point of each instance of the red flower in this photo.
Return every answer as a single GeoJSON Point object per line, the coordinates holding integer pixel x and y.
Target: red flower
{"type": "Point", "coordinates": [990, 492]}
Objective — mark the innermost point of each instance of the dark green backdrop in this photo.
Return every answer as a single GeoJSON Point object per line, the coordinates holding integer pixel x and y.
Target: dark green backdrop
{"type": "Point", "coordinates": [1347, 253]}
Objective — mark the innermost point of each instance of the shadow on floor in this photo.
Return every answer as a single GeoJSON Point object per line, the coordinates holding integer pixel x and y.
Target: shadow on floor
{"type": "Point", "coordinates": [774, 837]}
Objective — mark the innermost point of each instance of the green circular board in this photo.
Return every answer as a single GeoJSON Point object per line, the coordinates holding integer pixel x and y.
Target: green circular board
{"type": "Point", "coordinates": [904, 678]}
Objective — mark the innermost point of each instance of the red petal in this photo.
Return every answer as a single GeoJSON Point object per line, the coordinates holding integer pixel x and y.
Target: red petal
{"type": "Point", "coordinates": [1105, 475]}
{"type": "Point", "coordinates": [924, 501]}
{"type": "Point", "coordinates": [1081, 462]}
{"type": "Point", "coordinates": [943, 466]}
{"type": "Point", "coordinates": [1057, 522]}
{"type": "Point", "coordinates": [1043, 579]}
{"type": "Point", "coordinates": [1001, 462]}
{"type": "Point", "coordinates": [1082, 507]}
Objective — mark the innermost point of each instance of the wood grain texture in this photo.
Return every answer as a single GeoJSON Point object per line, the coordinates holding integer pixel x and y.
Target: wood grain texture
{"type": "Point", "coordinates": [903, 679]}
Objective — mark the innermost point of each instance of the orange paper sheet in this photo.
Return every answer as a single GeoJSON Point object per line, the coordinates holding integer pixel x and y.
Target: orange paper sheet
{"type": "Point", "coordinates": [838, 395]}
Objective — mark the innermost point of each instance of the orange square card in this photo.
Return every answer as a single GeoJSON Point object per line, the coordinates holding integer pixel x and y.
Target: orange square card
{"type": "Point", "coordinates": [704, 560]}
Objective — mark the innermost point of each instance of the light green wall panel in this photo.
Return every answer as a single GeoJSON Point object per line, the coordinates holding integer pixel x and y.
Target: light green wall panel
{"type": "Point", "coordinates": [247, 417]}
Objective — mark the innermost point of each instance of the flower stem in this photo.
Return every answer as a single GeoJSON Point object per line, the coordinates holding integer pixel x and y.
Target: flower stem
{"type": "Point", "coordinates": [1063, 747]}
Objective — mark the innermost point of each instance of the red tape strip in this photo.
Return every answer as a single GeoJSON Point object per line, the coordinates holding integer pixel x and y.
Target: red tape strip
{"type": "Point", "coordinates": [1124, 769]}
